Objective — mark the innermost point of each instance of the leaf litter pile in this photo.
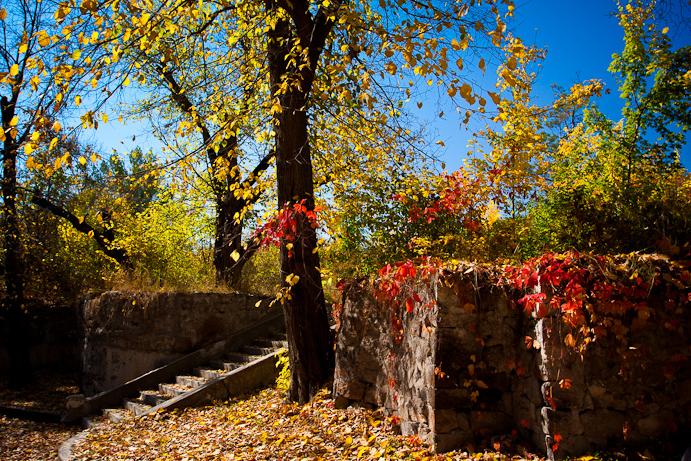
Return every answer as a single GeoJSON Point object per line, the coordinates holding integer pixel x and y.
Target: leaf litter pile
{"type": "Point", "coordinates": [263, 427]}
{"type": "Point", "coordinates": [22, 440]}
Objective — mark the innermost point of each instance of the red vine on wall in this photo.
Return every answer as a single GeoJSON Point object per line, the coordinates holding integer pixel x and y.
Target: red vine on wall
{"type": "Point", "coordinates": [598, 295]}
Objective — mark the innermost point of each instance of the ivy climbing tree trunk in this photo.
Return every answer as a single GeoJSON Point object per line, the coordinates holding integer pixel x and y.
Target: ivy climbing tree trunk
{"type": "Point", "coordinates": [307, 326]}
{"type": "Point", "coordinates": [13, 303]}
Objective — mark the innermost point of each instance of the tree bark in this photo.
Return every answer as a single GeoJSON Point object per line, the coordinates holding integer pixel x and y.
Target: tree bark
{"type": "Point", "coordinates": [230, 255]}
{"type": "Point", "coordinates": [307, 327]}
{"type": "Point", "coordinates": [13, 303]}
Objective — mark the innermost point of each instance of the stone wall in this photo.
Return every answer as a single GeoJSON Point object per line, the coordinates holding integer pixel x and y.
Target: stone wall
{"type": "Point", "coordinates": [479, 352]}
{"type": "Point", "coordinates": [380, 367]}
{"type": "Point", "coordinates": [130, 333]}
{"type": "Point", "coordinates": [462, 375]}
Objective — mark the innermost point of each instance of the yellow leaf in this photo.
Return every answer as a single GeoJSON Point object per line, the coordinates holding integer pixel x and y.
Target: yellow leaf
{"type": "Point", "coordinates": [3, 14]}
{"type": "Point", "coordinates": [14, 70]}
{"type": "Point", "coordinates": [76, 54]}
{"type": "Point", "coordinates": [53, 143]}
{"type": "Point", "coordinates": [35, 81]}
{"type": "Point", "coordinates": [391, 68]}
{"type": "Point", "coordinates": [35, 136]}
{"type": "Point", "coordinates": [23, 47]}
{"type": "Point", "coordinates": [665, 30]}
{"type": "Point", "coordinates": [62, 11]}
{"type": "Point", "coordinates": [2, 135]}
{"type": "Point", "coordinates": [28, 148]}
{"type": "Point", "coordinates": [43, 38]}
{"type": "Point", "coordinates": [235, 256]}
{"type": "Point", "coordinates": [14, 121]}
{"type": "Point", "coordinates": [459, 63]}
{"type": "Point", "coordinates": [77, 100]}
{"type": "Point", "coordinates": [57, 126]}
{"type": "Point", "coordinates": [82, 160]}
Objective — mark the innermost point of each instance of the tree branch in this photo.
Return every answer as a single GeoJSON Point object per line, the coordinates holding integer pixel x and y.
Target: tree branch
{"type": "Point", "coordinates": [101, 237]}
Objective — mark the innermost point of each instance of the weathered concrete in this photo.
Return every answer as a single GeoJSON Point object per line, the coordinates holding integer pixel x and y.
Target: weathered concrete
{"type": "Point", "coordinates": [128, 334]}
{"type": "Point", "coordinates": [259, 373]}
{"type": "Point", "coordinates": [113, 397]}
{"type": "Point", "coordinates": [488, 383]}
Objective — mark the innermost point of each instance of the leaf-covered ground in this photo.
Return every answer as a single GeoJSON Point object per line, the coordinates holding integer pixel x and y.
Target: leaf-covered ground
{"type": "Point", "coordinates": [48, 392]}
{"type": "Point", "coordinates": [22, 440]}
{"type": "Point", "coordinates": [262, 427]}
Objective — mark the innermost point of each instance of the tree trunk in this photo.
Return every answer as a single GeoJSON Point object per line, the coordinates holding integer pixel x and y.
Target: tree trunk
{"type": "Point", "coordinates": [13, 303]}
{"type": "Point", "coordinates": [230, 255]}
{"type": "Point", "coordinates": [307, 326]}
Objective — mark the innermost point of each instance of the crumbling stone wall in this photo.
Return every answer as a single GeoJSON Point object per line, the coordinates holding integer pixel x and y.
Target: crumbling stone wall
{"type": "Point", "coordinates": [380, 367]}
{"type": "Point", "coordinates": [479, 393]}
{"type": "Point", "coordinates": [130, 333]}
{"type": "Point", "coordinates": [495, 371]}
{"type": "Point", "coordinates": [640, 396]}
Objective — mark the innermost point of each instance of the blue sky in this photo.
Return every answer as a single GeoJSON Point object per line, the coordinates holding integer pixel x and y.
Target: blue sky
{"type": "Point", "coordinates": [579, 36]}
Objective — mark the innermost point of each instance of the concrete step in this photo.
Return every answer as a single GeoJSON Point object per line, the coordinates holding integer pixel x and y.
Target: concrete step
{"type": "Point", "coordinates": [226, 365]}
{"type": "Point", "coordinates": [153, 398]}
{"type": "Point", "coordinates": [116, 414]}
{"type": "Point", "coordinates": [239, 357]}
{"type": "Point", "coordinates": [173, 390]}
{"type": "Point", "coordinates": [190, 381]}
{"type": "Point", "coordinates": [258, 351]}
{"type": "Point", "coordinates": [136, 406]}
{"type": "Point", "coordinates": [272, 343]}
{"type": "Point", "coordinates": [210, 373]}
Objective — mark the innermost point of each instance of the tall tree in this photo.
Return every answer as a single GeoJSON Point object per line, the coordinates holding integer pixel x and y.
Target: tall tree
{"type": "Point", "coordinates": [355, 53]}
{"type": "Point", "coordinates": [38, 72]}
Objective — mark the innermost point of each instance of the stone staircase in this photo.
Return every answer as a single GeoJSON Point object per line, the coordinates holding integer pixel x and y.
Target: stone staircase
{"type": "Point", "coordinates": [218, 373]}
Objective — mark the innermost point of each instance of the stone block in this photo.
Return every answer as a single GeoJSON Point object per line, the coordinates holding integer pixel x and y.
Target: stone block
{"type": "Point", "coordinates": [656, 424]}
{"type": "Point", "coordinates": [451, 420]}
{"type": "Point", "coordinates": [562, 395]}
{"type": "Point", "coordinates": [485, 423]}
{"type": "Point", "coordinates": [453, 398]}
{"type": "Point", "coordinates": [566, 423]}
{"type": "Point", "coordinates": [451, 441]}
{"type": "Point", "coordinates": [603, 425]}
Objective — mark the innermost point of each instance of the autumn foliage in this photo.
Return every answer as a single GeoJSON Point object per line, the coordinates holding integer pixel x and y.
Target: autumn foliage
{"type": "Point", "coordinates": [603, 296]}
